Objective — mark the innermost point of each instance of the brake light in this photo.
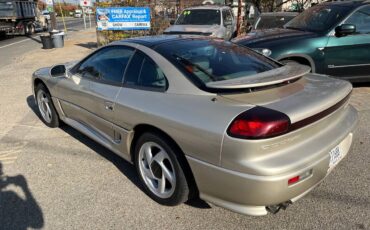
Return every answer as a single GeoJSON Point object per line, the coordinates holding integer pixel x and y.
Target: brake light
{"type": "Point", "coordinates": [259, 123]}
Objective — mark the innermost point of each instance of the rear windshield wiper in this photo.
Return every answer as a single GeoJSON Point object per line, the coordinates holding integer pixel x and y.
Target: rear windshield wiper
{"type": "Point", "coordinates": [186, 62]}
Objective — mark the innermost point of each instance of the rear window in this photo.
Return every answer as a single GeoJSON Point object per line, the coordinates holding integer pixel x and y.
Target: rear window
{"type": "Point", "coordinates": [214, 60]}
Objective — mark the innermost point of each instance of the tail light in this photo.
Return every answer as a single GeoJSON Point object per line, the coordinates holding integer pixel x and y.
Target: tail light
{"type": "Point", "coordinates": [259, 123]}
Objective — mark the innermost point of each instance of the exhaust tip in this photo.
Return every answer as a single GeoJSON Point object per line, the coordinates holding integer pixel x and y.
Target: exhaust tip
{"type": "Point", "coordinates": [276, 208]}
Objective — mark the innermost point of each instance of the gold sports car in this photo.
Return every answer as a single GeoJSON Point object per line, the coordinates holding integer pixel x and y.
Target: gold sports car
{"type": "Point", "coordinates": [203, 117]}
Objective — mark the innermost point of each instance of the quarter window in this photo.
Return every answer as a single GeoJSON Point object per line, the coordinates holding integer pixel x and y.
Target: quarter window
{"type": "Point", "coordinates": [142, 72]}
{"type": "Point", "coordinates": [361, 19]}
{"type": "Point", "coordinates": [107, 65]}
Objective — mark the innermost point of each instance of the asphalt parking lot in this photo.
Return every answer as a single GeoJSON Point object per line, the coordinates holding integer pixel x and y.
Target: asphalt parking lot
{"type": "Point", "coordinates": [60, 179]}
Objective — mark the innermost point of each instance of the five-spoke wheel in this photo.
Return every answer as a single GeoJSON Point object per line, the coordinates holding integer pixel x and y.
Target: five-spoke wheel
{"type": "Point", "coordinates": [159, 168]}
{"type": "Point", "coordinates": [46, 108]}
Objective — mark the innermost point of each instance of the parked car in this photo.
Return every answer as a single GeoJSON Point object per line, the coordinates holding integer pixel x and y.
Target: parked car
{"type": "Point", "coordinates": [210, 20]}
{"type": "Point", "coordinates": [78, 14]}
{"type": "Point", "coordinates": [46, 14]}
{"type": "Point", "coordinates": [199, 115]}
{"type": "Point", "coordinates": [332, 38]}
{"type": "Point", "coordinates": [272, 20]}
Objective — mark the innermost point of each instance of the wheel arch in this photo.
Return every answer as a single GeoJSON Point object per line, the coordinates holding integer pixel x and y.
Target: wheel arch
{"type": "Point", "coordinates": [300, 58]}
{"type": "Point", "coordinates": [140, 129]}
{"type": "Point", "coordinates": [36, 82]}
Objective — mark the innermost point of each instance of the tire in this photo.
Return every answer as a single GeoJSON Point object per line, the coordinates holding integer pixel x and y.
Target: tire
{"type": "Point", "coordinates": [26, 29]}
{"type": "Point", "coordinates": [32, 29]}
{"type": "Point", "coordinates": [46, 107]}
{"type": "Point", "coordinates": [161, 166]}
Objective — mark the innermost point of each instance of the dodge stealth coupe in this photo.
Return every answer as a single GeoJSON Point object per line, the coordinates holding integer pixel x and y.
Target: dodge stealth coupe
{"type": "Point", "coordinates": [207, 118]}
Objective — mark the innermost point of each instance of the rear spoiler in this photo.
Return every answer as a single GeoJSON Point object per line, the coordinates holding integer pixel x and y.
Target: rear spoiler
{"type": "Point", "coordinates": [285, 73]}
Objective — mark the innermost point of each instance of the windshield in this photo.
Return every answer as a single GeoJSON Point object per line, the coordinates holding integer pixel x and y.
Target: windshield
{"type": "Point", "coordinates": [199, 17]}
{"type": "Point", "coordinates": [215, 60]}
{"type": "Point", "coordinates": [319, 18]}
{"type": "Point", "coordinates": [267, 22]}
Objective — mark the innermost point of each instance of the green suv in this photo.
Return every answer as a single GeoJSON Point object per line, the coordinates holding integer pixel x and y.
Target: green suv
{"type": "Point", "coordinates": [333, 38]}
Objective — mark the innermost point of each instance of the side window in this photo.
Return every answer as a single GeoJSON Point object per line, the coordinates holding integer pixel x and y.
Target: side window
{"type": "Point", "coordinates": [227, 17]}
{"type": "Point", "coordinates": [107, 65]}
{"type": "Point", "coordinates": [142, 72]}
{"type": "Point", "coordinates": [361, 19]}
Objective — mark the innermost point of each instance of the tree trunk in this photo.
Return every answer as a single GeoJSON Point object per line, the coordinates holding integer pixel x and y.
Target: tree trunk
{"type": "Point", "coordinates": [239, 19]}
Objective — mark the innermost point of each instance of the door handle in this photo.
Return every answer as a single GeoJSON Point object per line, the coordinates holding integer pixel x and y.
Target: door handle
{"type": "Point", "coordinates": [109, 105]}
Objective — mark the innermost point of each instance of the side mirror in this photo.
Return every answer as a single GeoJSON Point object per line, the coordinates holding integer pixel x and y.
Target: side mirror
{"type": "Point", "coordinates": [228, 23]}
{"type": "Point", "coordinates": [344, 30]}
{"type": "Point", "coordinates": [58, 71]}
{"type": "Point", "coordinates": [172, 22]}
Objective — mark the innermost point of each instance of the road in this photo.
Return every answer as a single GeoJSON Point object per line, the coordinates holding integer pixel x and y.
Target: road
{"type": "Point", "coordinates": [12, 48]}
{"type": "Point", "coordinates": [60, 179]}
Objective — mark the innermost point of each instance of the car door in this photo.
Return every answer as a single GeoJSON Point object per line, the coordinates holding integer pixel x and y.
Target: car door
{"type": "Point", "coordinates": [349, 56]}
{"type": "Point", "coordinates": [144, 83]}
{"type": "Point", "coordinates": [102, 75]}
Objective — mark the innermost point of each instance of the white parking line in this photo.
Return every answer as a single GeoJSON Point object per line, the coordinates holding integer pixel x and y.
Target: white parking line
{"type": "Point", "coordinates": [7, 162]}
{"type": "Point", "coordinates": [16, 42]}
{"type": "Point", "coordinates": [8, 158]}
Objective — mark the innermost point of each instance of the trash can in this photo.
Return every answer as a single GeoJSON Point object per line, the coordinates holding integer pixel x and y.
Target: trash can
{"type": "Point", "coordinates": [46, 41]}
{"type": "Point", "coordinates": [58, 39]}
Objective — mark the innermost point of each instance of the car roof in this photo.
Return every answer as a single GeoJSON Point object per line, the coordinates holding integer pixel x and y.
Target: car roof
{"type": "Point", "coordinates": [292, 14]}
{"type": "Point", "coordinates": [346, 3]}
{"type": "Point", "coordinates": [153, 41]}
{"type": "Point", "coordinates": [208, 7]}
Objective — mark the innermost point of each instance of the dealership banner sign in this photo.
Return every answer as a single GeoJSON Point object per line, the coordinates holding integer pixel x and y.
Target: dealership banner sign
{"type": "Point", "coordinates": [123, 18]}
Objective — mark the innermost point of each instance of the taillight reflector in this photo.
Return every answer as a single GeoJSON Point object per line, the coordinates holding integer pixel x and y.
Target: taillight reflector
{"type": "Point", "coordinates": [293, 180]}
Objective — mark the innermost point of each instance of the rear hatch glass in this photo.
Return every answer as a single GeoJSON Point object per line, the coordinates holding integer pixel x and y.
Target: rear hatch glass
{"type": "Point", "coordinates": [210, 61]}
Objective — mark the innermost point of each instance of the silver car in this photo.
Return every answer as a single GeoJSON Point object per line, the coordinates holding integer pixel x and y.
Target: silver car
{"type": "Point", "coordinates": [208, 118]}
{"type": "Point", "coordinates": [211, 20]}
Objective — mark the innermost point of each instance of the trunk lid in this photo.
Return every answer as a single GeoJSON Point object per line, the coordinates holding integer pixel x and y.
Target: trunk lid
{"type": "Point", "coordinates": [302, 99]}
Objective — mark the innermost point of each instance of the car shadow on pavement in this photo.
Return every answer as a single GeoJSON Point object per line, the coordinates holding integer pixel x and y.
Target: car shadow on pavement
{"type": "Point", "coordinates": [18, 212]}
{"type": "Point", "coordinates": [88, 45]}
{"type": "Point", "coordinates": [125, 167]}
{"type": "Point", "coordinates": [361, 84]}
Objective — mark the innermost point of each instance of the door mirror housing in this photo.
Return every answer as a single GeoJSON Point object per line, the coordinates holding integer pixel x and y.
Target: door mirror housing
{"type": "Point", "coordinates": [228, 23]}
{"type": "Point", "coordinates": [172, 22]}
{"type": "Point", "coordinates": [344, 30]}
{"type": "Point", "coordinates": [58, 71]}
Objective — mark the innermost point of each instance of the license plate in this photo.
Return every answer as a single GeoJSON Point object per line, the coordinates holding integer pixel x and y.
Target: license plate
{"type": "Point", "coordinates": [335, 157]}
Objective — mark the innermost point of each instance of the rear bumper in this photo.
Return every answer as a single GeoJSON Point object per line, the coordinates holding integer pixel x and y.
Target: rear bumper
{"type": "Point", "coordinates": [249, 193]}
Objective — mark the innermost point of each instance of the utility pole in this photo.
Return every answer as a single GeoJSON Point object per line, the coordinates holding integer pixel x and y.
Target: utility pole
{"type": "Point", "coordinates": [53, 18]}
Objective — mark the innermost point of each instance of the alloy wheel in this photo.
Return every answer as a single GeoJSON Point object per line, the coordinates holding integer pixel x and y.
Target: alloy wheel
{"type": "Point", "coordinates": [43, 103]}
{"type": "Point", "coordinates": [156, 169]}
